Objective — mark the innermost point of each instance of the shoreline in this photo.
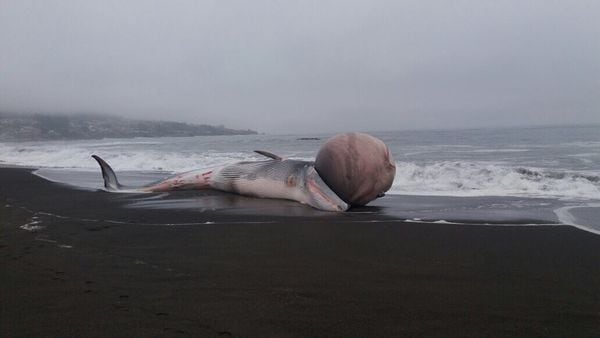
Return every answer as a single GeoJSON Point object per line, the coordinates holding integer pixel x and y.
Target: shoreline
{"type": "Point", "coordinates": [101, 267]}
{"type": "Point", "coordinates": [477, 210]}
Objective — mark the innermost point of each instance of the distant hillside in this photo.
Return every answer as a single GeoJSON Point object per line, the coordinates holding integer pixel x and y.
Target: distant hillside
{"type": "Point", "coordinates": [38, 127]}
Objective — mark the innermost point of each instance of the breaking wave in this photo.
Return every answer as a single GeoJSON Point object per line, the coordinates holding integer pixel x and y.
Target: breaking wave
{"type": "Point", "coordinates": [78, 156]}
{"type": "Point", "coordinates": [451, 178]}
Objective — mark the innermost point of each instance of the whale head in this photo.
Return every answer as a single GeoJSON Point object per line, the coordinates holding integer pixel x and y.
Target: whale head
{"type": "Point", "coordinates": [318, 194]}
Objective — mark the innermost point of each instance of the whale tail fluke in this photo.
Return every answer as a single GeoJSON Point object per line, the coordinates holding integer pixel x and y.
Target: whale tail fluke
{"type": "Point", "coordinates": [110, 179]}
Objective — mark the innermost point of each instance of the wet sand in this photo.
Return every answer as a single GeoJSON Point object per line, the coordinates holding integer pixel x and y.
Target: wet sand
{"type": "Point", "coordinates": [277, 269]}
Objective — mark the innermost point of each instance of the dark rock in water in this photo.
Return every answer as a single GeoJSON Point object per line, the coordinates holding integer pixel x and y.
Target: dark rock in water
{"type": "Point", "coordinates": [308, 139]}
{"type": "Point", "coordinates": [357, 167]}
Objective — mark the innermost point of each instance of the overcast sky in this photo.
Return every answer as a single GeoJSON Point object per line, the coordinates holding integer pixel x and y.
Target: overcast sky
{"type": "Point", "coordinates": [306, 66]}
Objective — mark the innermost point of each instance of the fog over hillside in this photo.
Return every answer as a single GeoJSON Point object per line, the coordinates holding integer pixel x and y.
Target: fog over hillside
{"type": "Point", "coordinates": [313, 65]}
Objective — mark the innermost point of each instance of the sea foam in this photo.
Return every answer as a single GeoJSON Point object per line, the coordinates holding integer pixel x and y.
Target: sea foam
{"type": "Point", "coordinates": [451, 178]}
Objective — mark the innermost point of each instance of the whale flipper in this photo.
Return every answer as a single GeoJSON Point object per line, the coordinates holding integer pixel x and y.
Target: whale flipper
{"type": "Point", "coordinates": [110, 179]}
{"type": "Point", "coordinates": [269, 155]}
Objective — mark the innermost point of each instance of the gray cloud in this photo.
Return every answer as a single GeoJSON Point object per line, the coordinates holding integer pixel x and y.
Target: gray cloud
{"type": "Point", "coordinates": [282, 66]}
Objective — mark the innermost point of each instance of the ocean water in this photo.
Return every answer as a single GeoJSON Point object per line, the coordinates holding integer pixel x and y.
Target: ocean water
{"type": "Point", "coordinates": [557, 162]}
{"type": "Point", "coordinates": [560, 164]}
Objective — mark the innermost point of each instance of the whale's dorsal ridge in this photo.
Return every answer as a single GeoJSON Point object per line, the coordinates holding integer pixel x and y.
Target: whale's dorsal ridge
{"type": "Point", "coordinates": [269, 155]}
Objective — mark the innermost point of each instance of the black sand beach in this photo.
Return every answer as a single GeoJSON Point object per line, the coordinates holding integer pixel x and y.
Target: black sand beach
{"type": "Point", "coordinates": [98, 268]}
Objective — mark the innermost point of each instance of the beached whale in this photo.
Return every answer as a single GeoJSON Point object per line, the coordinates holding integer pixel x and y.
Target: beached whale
{"type": "Point", "coordinates": [350, 169]}
{"type": "Point", "coordinates": [273, 178]}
